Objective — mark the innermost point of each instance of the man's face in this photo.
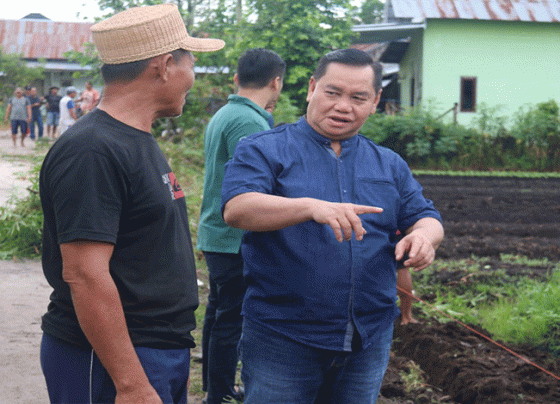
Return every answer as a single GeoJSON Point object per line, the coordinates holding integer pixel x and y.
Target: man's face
{"type": "Point", "coordinates": [341, 100]}
{"type": "Point", "coordinates": [54, 91]}
{"type": "Point", "coordinates": [33, 92]}
{"type": "Point", "coordinates": [181, 79]}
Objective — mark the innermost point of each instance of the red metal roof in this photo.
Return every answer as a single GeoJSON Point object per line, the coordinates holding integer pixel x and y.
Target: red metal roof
{"type": "Point", "coordinates": [36, 39]}
{"type": "Point", "coordinates": [503, 10]}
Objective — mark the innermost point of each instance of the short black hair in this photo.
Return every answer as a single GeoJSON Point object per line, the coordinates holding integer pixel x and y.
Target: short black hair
{"type": "Point", "coordinates": [125, 72]}
{"type": "Point", "coordinates": [350, 57]}
{"type": "Point", "coordinates": [257, 67]}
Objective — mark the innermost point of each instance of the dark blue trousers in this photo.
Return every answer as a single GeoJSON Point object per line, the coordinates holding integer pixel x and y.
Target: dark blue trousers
{"type": "Point", "coordinates": [222, 325]}
{"type": "Point", "coordinates": [74, 375]}
{"type": "Point", "coordinates": [36, 118]}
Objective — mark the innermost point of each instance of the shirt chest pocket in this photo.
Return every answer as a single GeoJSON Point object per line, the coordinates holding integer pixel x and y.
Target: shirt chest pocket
{"type": "Point", "coordinates": [380, 193]}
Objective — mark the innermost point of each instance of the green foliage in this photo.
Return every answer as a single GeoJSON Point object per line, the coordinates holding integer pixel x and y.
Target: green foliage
{"type": "Point", "coordinates": [371, 12]}
{"type": "Point", "coordinates": [15, 74]}
{"type": "Point", "coordinates": [87, 58]}
{"type": "Point", "coordinates": [417, 136]}
{"type": "Point", "coordinates": [537, 129]}
{"type": "Point", "coordinates": [513, 308]}
{"type": "Point", "coordinates": [413, 377]}
{"type": "Point", "coordinates": [532, 144]}
{"type": "Point", "coordinates": [285, 112]}
{"type": "Point", "coordinates": [300, 31]}
{"type": "Point", "coordinates": [21, 223]}
{"type": "Point", "coordinates": [530, 315]}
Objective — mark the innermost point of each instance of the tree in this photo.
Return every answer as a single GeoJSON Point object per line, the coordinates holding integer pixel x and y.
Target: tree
{"type": "Point", "coordinates": [15, 73]}
{"type": "Point", "coordinates": [301, 31]}
{"type": "Point", "coordinates": [372, 12]}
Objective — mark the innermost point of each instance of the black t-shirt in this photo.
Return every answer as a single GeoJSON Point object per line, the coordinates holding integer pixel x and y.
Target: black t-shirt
{"type": "Point", "coordinates": [106, 181]}
{"type": "Point", "coordinates": [53, 103]}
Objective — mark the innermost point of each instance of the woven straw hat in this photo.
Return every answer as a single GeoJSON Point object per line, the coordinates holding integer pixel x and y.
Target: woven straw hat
{"type": "Point", "coordinates": [144, 32]}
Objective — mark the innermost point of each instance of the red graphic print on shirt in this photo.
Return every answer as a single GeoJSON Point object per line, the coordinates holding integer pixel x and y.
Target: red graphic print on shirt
{"type": "Point", "coordinates": [174, 187]}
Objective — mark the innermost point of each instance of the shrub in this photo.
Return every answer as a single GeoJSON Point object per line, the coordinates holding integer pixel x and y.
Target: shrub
{"type": "Point", "coordinates": [533, 144]}
{"type": "Point", "coordinates": [21, 223]}
{"type": "Point", "coordinates": [538, 129]}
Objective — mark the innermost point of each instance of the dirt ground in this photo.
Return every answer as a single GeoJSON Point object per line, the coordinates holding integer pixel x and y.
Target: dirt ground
{"type": "Point", "coordinates": [484, 217]}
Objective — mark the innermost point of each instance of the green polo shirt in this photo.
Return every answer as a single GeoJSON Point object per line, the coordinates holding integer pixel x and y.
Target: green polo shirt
{"type": "Point", "coordinates": [240, 117]}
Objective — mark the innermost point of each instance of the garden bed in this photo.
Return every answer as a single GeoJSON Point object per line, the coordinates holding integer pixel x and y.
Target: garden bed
{"type": "Point", "coordinates": [483, 217]}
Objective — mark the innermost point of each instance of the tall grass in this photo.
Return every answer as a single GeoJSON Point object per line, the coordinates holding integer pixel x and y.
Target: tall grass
{"type": "Point", "coordinates": [516, 309]}
{"type": "Point", "coordinates": [531, 315]}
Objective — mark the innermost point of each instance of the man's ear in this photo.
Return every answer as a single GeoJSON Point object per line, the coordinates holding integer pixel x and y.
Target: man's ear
{"type": "Point", "coordinates": [236, 79]}
{"type": "Point", "coordinates": [276, 84]}
{"type": "Point", "coordinates": [376, 101]}
{"type": "Point", "coordinates": [161, 64]}
{"type": "Point", "coordinates": [311, 88]}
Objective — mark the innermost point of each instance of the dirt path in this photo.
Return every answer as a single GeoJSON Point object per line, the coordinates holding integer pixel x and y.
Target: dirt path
{"type": "Point", "coordinates": [13, 166]}
{"type": "Point", "coordinates": [23, 295]}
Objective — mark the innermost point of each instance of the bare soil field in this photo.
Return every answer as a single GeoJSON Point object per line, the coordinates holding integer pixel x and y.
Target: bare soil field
{"type": "Point", "coordinates": [485, 217]}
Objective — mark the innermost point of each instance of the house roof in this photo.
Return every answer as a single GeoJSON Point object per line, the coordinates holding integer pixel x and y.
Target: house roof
{"type": "Point", "coordinates": [42, 38]}
{"type": "Point", "coordinates": [502, 10]}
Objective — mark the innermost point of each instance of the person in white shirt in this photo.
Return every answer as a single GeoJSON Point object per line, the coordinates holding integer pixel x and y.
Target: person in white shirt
{"type": "Point", "coordinates": [68, 109]}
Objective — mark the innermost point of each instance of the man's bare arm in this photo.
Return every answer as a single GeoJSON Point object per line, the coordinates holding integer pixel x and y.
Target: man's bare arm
{"type": "Point", "coordinates": [255, 211]}
{"type": "Point", "coordinates": [100, 314]}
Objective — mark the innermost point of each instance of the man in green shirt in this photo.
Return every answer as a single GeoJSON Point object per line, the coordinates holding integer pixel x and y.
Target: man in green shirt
{"type": "Point", "coordinates": [259, 78]}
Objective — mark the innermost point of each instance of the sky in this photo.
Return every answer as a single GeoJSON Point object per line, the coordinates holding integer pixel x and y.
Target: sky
{"type": "Point", "coordinates": [56, 10]}
{"type": "Point", "coordinates": [60, 10]}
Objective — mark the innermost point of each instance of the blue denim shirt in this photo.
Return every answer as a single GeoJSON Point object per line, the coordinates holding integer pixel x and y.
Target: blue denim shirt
{"type": "Point", "coordinates": [302, 282]}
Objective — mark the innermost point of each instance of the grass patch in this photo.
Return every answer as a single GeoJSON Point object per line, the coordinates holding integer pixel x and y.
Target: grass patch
{"type": "Point", "coordinates": [516, 300]}
{"type": "Point", "coordinates": [530, 315]}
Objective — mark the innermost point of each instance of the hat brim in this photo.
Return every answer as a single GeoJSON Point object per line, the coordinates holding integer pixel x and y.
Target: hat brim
{"type": "Point", "coordinates": [202, 44]}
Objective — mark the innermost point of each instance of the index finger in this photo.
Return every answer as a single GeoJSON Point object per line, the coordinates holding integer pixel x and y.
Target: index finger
{"type": "Point", "coordinates": [363, 209]}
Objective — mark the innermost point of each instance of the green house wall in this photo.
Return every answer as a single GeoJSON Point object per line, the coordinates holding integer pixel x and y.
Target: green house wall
{"type": "Point", "coordinates": [515, 63]}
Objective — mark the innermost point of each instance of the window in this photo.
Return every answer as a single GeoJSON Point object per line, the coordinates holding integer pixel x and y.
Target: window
{"type": "Point", "coordinates": [468, 94]}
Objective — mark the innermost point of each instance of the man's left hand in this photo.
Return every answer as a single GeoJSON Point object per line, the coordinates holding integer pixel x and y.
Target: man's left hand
{"type": "Point", "coordinates": [419, 248]}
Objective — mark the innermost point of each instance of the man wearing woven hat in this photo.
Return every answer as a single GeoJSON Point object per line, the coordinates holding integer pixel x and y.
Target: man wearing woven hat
{"type": "Point", "coordinates": [116, 243]}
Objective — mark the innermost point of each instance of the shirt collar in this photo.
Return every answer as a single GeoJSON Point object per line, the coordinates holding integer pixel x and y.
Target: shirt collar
{"type": "Point", "coordinates": [237, 99]}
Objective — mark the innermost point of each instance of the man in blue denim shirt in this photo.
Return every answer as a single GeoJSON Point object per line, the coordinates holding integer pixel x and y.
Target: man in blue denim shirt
{"type": "Point", "coordinates": [320, 304]}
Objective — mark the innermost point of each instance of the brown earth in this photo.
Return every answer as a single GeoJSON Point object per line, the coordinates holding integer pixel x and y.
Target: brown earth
{"type": "Point", "coordinates": [484, 217]}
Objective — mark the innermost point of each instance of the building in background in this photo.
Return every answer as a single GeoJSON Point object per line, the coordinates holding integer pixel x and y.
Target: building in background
{"type": "Point", "coordinates": [497, 52]}
{"type": "Point", "coordinates": [42, 42]}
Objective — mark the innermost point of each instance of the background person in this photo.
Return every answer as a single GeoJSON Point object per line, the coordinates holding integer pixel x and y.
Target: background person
{"type": "Point", "coordinates": [116, 242]}
{"type": "Point", "coordinates": [68, 115]}
{"type": "Point", "coordinates": [18, 112]}
{"type": "Point", "coordinates": [36, 117]}
{"type": "Point", "coordinates": [259, 80]}
{"type": "Point", "coordinates": [321, 205]}
{"type": "Point", "coordinates": [89, 98]}
{"type": "Point", "coordinates": [53, 111]}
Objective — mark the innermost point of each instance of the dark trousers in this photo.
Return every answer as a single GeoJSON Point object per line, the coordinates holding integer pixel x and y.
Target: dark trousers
{"type": "Point", "coordinates": [36, 118]}
{"type": "Point", "coordinates": [74, 375]}
{"type": "Point", "coordinates": [222, 325]}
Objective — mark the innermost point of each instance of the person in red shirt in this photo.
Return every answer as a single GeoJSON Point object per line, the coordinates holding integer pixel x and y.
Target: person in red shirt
{"type": "Point", "coordinates": [89, 99]}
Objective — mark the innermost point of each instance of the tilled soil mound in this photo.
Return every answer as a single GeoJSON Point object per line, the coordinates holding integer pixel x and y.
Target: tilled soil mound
{"type": "Point", "coordinates": [483, 217]}
{"type": "Point", "coordinates": [489, 216]}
